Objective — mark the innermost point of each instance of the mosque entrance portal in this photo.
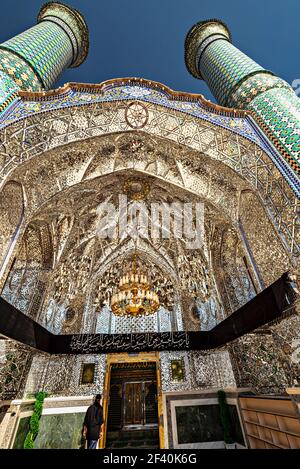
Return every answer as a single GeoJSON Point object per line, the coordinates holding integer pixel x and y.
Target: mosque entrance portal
{"type": "Point", "coordinates": [132, 417]}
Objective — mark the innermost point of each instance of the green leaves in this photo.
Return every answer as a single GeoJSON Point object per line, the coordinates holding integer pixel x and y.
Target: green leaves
{"type": "Point", "coordinates": [34, 425]}
{"type": "Point", "coordinates": [35, 420]}
{"type": "Point", "coordinates": [28, 443]}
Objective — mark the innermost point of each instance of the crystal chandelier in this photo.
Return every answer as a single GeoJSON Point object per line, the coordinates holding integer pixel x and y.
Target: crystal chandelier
{"type": "Point", "coordinates": [134, 296]}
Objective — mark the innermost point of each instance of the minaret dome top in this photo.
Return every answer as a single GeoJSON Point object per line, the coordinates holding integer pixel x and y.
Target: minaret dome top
{"type": "Point", "coordinates": [198, 38]}
{"type": "Point", "coordinates": [74, 25]}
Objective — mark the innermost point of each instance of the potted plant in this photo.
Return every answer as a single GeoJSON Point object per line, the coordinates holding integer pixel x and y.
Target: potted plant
{"type": "Point", "coordinates": [226, 421]}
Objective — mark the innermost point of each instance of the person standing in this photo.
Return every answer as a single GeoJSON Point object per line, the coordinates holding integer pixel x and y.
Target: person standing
{"type": "Point", "coordinates": [93, 423]}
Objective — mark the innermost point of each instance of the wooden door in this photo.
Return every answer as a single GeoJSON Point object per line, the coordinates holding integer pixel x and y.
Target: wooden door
{"type": "Point", "coordinates": [133, 404]}
{"type": "Point", "coordinates": [150, 403]}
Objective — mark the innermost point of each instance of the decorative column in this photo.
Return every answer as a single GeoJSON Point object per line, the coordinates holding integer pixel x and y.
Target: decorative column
{"type": "Point", "coordinates": [237, 81]}
{"type": "Point", "coordinates": [34, 60]}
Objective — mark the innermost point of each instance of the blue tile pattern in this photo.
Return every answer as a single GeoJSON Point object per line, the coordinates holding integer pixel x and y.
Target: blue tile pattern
{"type": "Point", "coordinates": [46, 47]}
{"type": "Point", "coordinates": [223, 66]}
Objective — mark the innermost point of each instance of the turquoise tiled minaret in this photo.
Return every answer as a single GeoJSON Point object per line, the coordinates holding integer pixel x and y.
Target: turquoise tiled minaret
{"type": "Point", "coordinates": [34, 59]}
{"type": "Point", "coordinates": [237, 81]}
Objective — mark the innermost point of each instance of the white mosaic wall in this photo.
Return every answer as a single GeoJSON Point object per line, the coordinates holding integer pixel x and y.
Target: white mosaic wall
{"type": "Point", "coordinates": [61, 375]}
{"type": "Point", "coordinates": [202, 371]}
{"type": "Point", "coordinates": [158, 322]}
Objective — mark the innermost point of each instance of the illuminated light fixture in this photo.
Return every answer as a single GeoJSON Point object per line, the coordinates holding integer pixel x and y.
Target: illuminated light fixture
{"type": "Point", "coordinates": [134, 296]}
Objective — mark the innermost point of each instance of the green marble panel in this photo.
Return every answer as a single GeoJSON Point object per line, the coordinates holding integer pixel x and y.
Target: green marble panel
{"type": "Point", "coordinates": [199, 424]}
{"type": "Point", "coordinates": [61, 431]}
{"type": "Point", "coordinates": [58, 431]}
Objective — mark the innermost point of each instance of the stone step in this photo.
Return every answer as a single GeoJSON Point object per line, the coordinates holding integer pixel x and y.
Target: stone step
{"type": "Point", "coordinates": [132, 446]}
{"type": "Point", "coordinates": [135, 442]}
{"type": "Point", "coordinates": [133, 439]}
{"type": "Point", "coordinates": [129, 435]}
{"type": "Point", "coordinates": [143, 447]}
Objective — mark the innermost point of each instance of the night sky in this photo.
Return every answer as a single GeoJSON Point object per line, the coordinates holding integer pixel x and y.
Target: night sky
{"type": "Point", "coordinates": [145, 38]}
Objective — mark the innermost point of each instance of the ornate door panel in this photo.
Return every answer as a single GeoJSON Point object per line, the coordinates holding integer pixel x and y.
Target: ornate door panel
{"type": "Point", "coordinates": [133, 404]}
{"type": "Point", "coordinates": [140, 403]}
{"type": "Point", "coordinates": [150, 403]}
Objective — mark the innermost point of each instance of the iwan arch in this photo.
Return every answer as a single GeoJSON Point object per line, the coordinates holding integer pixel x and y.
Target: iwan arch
{"type": "Point", "coordinates": [64, 152]}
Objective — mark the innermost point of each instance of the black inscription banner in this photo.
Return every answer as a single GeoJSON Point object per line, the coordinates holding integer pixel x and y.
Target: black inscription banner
{"type": "Point", "coordinates": [109, 343]}
{"type": "Point", "coordinates": [267, 306]}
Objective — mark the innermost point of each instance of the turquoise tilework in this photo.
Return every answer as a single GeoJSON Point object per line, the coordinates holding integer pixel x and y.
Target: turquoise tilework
{"type": "Point", "coordinates": [68, 17]}
{"type": "Point", "coordinates": [46, 47]}
{"type": "Point", "coordinates": [222, 66]}
{"type": "Point", "coordinates": [8, 91]}
{"type": "Point", "coordinates": [254, 86]}
{"type": "Point", "coordinates": [237, 81]}
{"type": "Point", "coordinates": [19, 71]}
{"type": "Point", "coordinates": [72, 22]}
{"type": "Point", "coordinates": [279, 110]}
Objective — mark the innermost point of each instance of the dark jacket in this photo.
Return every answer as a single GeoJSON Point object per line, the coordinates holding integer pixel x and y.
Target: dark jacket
{"type": "Point", "coordinates": [93, 421]}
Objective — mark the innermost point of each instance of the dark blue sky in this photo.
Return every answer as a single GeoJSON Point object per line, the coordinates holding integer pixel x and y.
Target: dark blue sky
{"type": "Point", "coordinates": [145, 38]}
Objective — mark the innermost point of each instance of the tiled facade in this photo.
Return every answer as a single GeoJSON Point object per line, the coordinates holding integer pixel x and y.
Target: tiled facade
{"type": "Point", "coordinates": [64, 152]}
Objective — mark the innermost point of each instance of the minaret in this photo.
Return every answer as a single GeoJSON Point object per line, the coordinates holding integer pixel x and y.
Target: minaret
{"type": "Point", "coordinates": [237, 81]}
{"type": "Point", "coordinates": [34, 59]}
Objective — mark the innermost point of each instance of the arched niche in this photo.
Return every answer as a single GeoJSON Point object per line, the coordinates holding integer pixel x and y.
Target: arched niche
{"type": "Point", "coordinates": [267, 249]}
{"type": "Point", "coordinates": [11, 216]}
{"type": "Point", "coordinates": [83, 171]}
{"type": "Point", "coordinates": [233, 271]}
{"type": "Point", "coordinates": [27, 279]}
{"type": "Point", "coordinates": [229, 138]}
